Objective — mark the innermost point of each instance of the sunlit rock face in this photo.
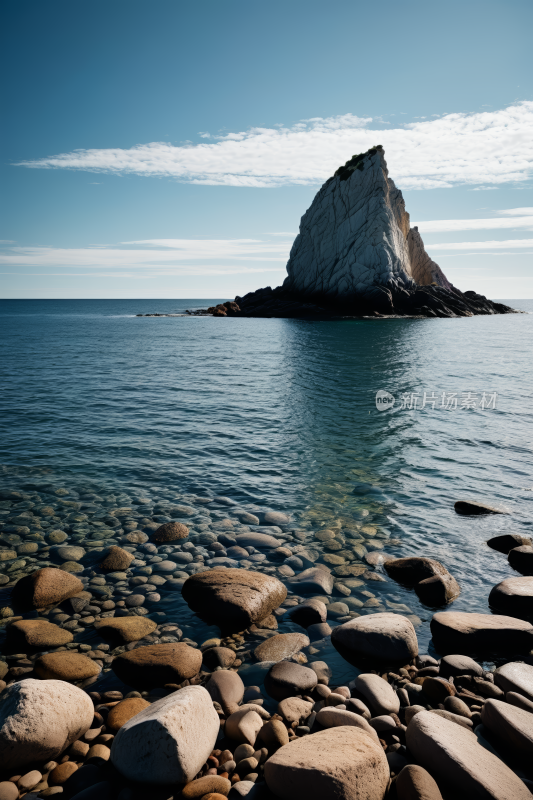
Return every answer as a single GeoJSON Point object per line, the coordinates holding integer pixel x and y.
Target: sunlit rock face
{"type": "Point", "coordinates": [356, 238]}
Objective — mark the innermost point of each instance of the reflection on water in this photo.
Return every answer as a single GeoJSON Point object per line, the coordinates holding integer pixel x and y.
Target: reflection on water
{"type": "Point", "coordinates": [281, 414]}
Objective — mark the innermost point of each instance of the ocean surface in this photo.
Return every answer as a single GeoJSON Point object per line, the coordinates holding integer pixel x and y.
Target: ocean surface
{"type": "Point", "coordinates": [281, 415]}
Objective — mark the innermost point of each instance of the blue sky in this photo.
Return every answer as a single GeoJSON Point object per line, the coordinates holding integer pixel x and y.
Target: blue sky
{"type": "Point", "coordinates": [169, 149]}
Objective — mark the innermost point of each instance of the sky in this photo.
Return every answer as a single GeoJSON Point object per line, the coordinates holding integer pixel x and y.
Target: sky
{"type": "Point", "coordinates": [168, 149]}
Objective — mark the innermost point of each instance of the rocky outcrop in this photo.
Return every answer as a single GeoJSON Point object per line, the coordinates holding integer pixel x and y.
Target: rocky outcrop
{"type": "Point", "coordinates": [357, 255]}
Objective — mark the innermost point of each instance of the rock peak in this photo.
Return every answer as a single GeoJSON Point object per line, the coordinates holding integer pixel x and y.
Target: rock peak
{"type": "Point", "coordinates": [356, 237]}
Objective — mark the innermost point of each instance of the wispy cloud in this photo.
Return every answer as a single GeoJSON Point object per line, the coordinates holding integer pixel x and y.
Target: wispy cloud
{"type": "Point", "coordinates": [492, 147]}
{"type": "Point", "coordinates": [516, 212]}
{"type": "Point", "coordinates": [161, 256]}
{"type": "Point", "coordinates": [493, 245]}
{"type": "Point", "coordinates": [441, 225]}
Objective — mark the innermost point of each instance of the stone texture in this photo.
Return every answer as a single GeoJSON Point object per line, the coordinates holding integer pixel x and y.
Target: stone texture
{"type": "Point", "coordinates": [294, 709]}
{"type": "Point", "coordinates": [412, 570]}
{"type": "Point", "coordinates": [438, 591]}
{"type": "Point", "coordinates": [39, 633]}
{"type": "Point", "coordinates": [124, 629]}
{"type": "Point", "coordinates": [170, 532]}
{"type": "Point", "coordinates": [515, 677]}
{"type": "Point", "coordinates": [344, 763]}
{"type": "Point", "coordinates": [383, 636]}
{"type": "Point", "coordinates": [378, 693]}
{"type": "Point", "coordinates": [513, 725]}
{"type": "Point", "coordinates": [70, 553]}
{"type": "Point", "coordinates": [286, 679]}
{"type": "Point", "coordinates": [470, 508]}
{"type": "Point", "coordinates": [116, 560]}
{"type": "Point", "coordinates": [273, 734]}
{"type": "Point", "coordinates": [521, 559]}
{"type": "Point", "coordinates": [313, 579]}
{"type": "Point", "coordinates": [169, 741]}
{"type": "Point", "coordinates": [124, 711]}
{"type": "Point", "coordinates": [158, 664]}
{"type": "Point", "coordinates": [453, 755]}
{"type": "Point", "coordinates": [356, 237]}
{"type": "Point", "coordinates": [40, 719]}
{"type": "Point", "coordinates": [513, 596]}
{"type": "Point", "coordinates": [508, 541]}
{"type": "Point", "coordinates": [280, 646]}
{"type": "Point", "coordinates": [415, 783]}
{"type": "Point", "coordinates": [260, 540]}
{"type": "Point", "coordinates": [219, 657]}
{"type": "Point", "coordinates": [65, 666]}
{"type": "Point", "coordinates": [234, 598]}
{"type": "Point", "coordinates": [8, 790]}
{"type": "Point", "coordinates": [45, 587]}
{"type": "Point", "coordinates": [311, 612]}
{"type": "Point", "coordinates": [60, 774]}
{"type": "Point", "coordinates": [464, 632]}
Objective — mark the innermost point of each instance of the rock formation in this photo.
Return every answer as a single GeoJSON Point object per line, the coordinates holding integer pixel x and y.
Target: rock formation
{"type": "Point", "coordinates": [356, 254]}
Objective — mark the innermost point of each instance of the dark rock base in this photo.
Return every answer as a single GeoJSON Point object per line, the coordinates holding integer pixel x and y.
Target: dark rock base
{"type": "Point", "coordinates": [424, 301]}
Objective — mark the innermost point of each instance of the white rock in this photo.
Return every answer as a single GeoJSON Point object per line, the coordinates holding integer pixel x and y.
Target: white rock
{"type": "Point", "coordinates": [356, 236]}
{"type": "Point", "coordinates": [453, 755]}
{"type": "Point", "coordinates": [40, 719]}
{"type": "Point", "coordinates": [170, 740]}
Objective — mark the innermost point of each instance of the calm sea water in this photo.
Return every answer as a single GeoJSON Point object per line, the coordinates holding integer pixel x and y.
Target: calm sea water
{"type": "Point", "coordinates": [282, 414]}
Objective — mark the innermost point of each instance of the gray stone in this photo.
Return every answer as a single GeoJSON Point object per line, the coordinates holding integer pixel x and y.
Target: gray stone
{"type": "Point", "coordinates": [521, 559]}
{"type": "Point", "coordinates": [280, 646]}
{"type": "Point", "coordinates": [40, 719]}
{"type": "Point", "coordinates": [378, 693]}
{"type": "Point", "coordinates": [170, 740]}
{"type": "Point", "coordinates": [453, 755]}
{"type": "Point", "coordinates": [311, 612]}
{"type": "Point", "coordinates": [453, 665]}
{"type": "Point", "coordinates": [344, 763]}
{"type": "Point", "coordinates": [471, 508]}
{"type": "Point", "coordinates": [507, 542]}
{"type": "Point", "coordinates": [383, 636]}
{"type": "Point", "coordinates": [70, 553]}
{"type": "Point", "coordinates": [513, 596]}
{"type": "Point", "coordinates": [464, 632]}
{"type": "Point", "coordinates": [511, 724]}
{"type": "Point", "coordinates": [259, 540]}
{"type": "Point", "coordinates": [286, 679]}
{"type": "Point", "coordinates": [314, 579]}
{"type": "Point", "coordinates": [515, 677]}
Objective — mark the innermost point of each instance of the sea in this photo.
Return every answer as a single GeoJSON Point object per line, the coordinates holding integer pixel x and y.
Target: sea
{"type": "Point", "coordinates": [382, 421]}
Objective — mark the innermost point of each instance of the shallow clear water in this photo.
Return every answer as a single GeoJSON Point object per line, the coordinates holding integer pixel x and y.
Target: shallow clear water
{"type": "Point", "coordinates": [281, 414]}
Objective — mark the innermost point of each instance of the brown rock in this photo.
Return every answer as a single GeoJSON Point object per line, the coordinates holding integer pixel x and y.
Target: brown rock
{"type": "Point", "coordinates": [515, 676]}
{"type": "Point", "coordinates": [225, 687]}
{"type": "Point", "coordinates": [274, 734]}
{"type": "Point", "coordinates": [438, 689]}
{"type": "Point", "coordinates": [8, 790]}
{"type": "Point", "coordinates": [210, 784]}
{"type": "Point", "coordinates": [39, 633]}
{"type": "Point", "coordinates": [456, 718]}
{"type": "Point", "coordinates": [99, 751]}
{"type": "Point", "coordinates": [294, 709]}
{"type": "Point", "coordinates": [65, 666]}
{"type": "Point", "coordinates": [170, 531]}
{"type": "Point", "coordinates": [310, 612]}
{"type": "Point", "coordinates": [233, 597]}
{"type": "Point", "coordinates": [158, 664]}
{"type": "Point", "coordinates": [219, 657]}
{"type": "Point", "coordinates": [455, 757]}
{"type": "Point", "coordinates": [281, 646]}
{"type": "Point", "coordinates": [410, 571]}
{"type": "Point", "coordinates": [457, 706]}
{"type": "Point", "coordinates": [415, 783]}
{"type": "Point", "coordinates": [116, 560]}
{"type": "Point", "coordinates": [45, 587]}
{"type": "Point", "coordinates": [61, 773]}
{"type": "Point", "coordinates": [243, 725]}
{"type": "Point", "coordinates": [521, 559]}
{"type": "Point", "coordinates": [464, 632]}
{"type": "Point", "coordinates": [214, 796]}
{"type": "Point", "coordinates": [78, 751]}
{"type": "Point", "coordinates": [343, 763]}
{"type": "Point", "coordinates": [124, 629]}
{"type": "Point", "coordinates": [123, 711]}
{"type": "Point", "coordinates": [439, 590]}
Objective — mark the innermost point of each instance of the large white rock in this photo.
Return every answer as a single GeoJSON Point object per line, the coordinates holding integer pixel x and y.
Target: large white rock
{"type": "Point", "coordinates": [40, 719]}
{"type": "Point", "coordinates": [453, 755]}
{"type": "Point", "coordinates": [356, 236]}
{"type": "Point", "coordinates": [169, 741]}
